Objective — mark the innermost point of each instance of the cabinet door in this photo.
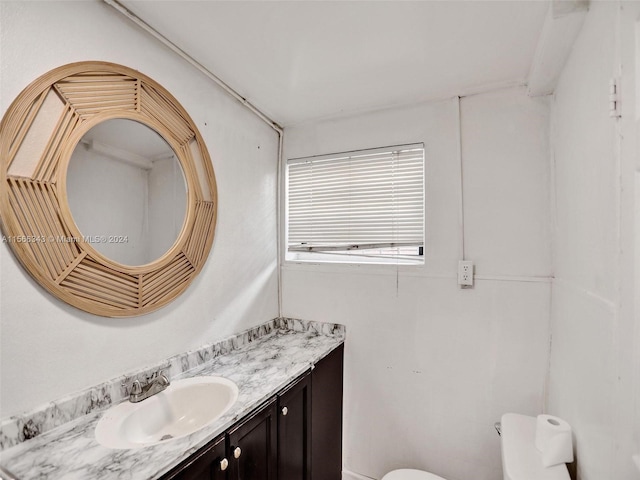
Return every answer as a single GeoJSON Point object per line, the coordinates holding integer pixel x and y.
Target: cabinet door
{"type": "Point", "coordinates": [326, 417]}
{"type": "Point", "coordinates": [252, 446]}
{"type": "Point", "coordinates": [209, 463]}
{"type": "Point", "coordinates": [294, 432]}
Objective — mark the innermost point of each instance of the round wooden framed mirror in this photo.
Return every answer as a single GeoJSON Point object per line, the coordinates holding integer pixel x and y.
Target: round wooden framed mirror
{"type": "Point", "coordinates": [58, 118]}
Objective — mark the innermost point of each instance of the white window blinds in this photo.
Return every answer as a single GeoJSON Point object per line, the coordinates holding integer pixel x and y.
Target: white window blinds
{"type": "Point", "coordinates": [370, 199]}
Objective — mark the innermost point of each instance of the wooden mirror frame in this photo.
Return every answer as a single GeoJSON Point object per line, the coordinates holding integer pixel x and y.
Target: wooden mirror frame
{"type": "Point", "coordinates": [38, 135]}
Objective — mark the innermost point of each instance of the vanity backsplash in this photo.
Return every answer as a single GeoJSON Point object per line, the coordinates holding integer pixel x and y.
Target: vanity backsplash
{"type": "Point", "coordinates": [18, 428]}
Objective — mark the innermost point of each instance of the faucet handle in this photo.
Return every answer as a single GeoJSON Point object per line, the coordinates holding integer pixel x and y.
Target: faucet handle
{"type": "Point", "coordinates": [163, 380]}
{"type": "Point", "coordinates": [136, 388]}
{"type": "Point", "coordinates": [158, 372]}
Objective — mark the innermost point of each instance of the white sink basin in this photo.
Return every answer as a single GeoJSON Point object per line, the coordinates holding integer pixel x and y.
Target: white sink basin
{"type": "Point", "coordinates": [182, 408]}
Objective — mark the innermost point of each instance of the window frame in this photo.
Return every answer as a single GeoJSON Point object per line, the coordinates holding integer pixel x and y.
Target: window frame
{"type": "Point", "coordinates": [342, 258]}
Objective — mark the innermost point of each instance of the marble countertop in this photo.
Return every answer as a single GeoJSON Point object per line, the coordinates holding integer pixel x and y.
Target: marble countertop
{"type": "Point", "coordinates": [260, 368]}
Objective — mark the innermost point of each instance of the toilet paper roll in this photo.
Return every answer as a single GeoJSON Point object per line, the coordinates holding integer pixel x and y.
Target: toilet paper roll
{"type": "Point", "coordinates": [553, 440]}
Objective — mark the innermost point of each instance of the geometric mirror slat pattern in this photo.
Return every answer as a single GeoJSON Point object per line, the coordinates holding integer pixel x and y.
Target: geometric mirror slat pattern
{"type": "Point", "coordinates": [203, 227]}
{"type": "Point", "coordinates": [156, 106]}
{"type": "Point", "coordinates": [46, 169]}
{"type": "Point", "coordinates": [96, 284]}
{"type": "Point", "coordinates": [156, 284]}
{"type": "Point", "coordinates": [34, 207]}
{"type": "Point", "coordinates": [95, 92]}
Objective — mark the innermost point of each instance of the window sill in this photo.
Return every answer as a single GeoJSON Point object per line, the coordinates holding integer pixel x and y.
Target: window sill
{"type": "Point", "coordinates": [346, 260]}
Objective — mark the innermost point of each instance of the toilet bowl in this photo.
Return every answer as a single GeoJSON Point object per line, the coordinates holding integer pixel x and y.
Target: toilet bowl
{"type": "Point", "coordinates": [410, 474]}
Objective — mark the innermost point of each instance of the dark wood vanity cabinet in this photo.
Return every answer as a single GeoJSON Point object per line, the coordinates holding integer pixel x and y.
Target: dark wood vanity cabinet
{"type": "Point", "coordinates": [294, 431]}
{"type": "Point", "coordinates": [295, 436]}
{"type": "Point", "coordinates": [326, 417]}
{"type": "Point", "coordinates": [253, 446]}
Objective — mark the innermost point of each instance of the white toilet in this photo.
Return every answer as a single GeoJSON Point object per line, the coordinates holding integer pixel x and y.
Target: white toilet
{"type": "Point", "coordinates": [409, 474]}
{"type": "Point", "coordinates": [521, 460]}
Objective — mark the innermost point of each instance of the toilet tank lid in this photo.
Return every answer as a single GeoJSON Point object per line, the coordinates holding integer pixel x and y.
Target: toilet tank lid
{"type": "Point", "coordinates": [521, 460]}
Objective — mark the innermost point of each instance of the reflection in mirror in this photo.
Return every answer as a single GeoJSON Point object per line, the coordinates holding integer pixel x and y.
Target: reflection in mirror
{"type": "Point", "coordinates": [127, 192]}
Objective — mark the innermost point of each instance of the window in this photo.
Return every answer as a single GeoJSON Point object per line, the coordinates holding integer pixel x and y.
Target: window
{"type": "Point", "coordinates": [357, 207]}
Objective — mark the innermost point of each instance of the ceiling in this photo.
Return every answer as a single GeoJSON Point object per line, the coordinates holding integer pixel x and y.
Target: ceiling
{"type": "Point", "coordinates": [301, 60]}
{"type": "Point", "coordinates": [130, 136]}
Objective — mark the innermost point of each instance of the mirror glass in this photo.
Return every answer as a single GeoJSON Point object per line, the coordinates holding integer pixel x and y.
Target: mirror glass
{"type": "Point", "coordinates": [127, 191]}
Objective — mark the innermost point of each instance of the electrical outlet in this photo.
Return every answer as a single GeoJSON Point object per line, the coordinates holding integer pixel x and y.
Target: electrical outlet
{"type": "Point", "coordinates": [465, 273]}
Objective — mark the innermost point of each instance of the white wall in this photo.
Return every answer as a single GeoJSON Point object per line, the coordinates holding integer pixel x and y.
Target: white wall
{"type": "Point", "coordinates": [49, 349]}
{"type": "Point", "coordinates": [429, 367]}
{"type": "Point", "coordinates": [167, 205]}
{"type": "Point", "coordinates": [109, 197]}
{"type": "Point", "coordinates": [593, 382]}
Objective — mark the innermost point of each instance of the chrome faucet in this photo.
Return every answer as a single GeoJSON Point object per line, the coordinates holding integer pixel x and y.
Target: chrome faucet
{"type": "Point", "coordinates": [155, 384]}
